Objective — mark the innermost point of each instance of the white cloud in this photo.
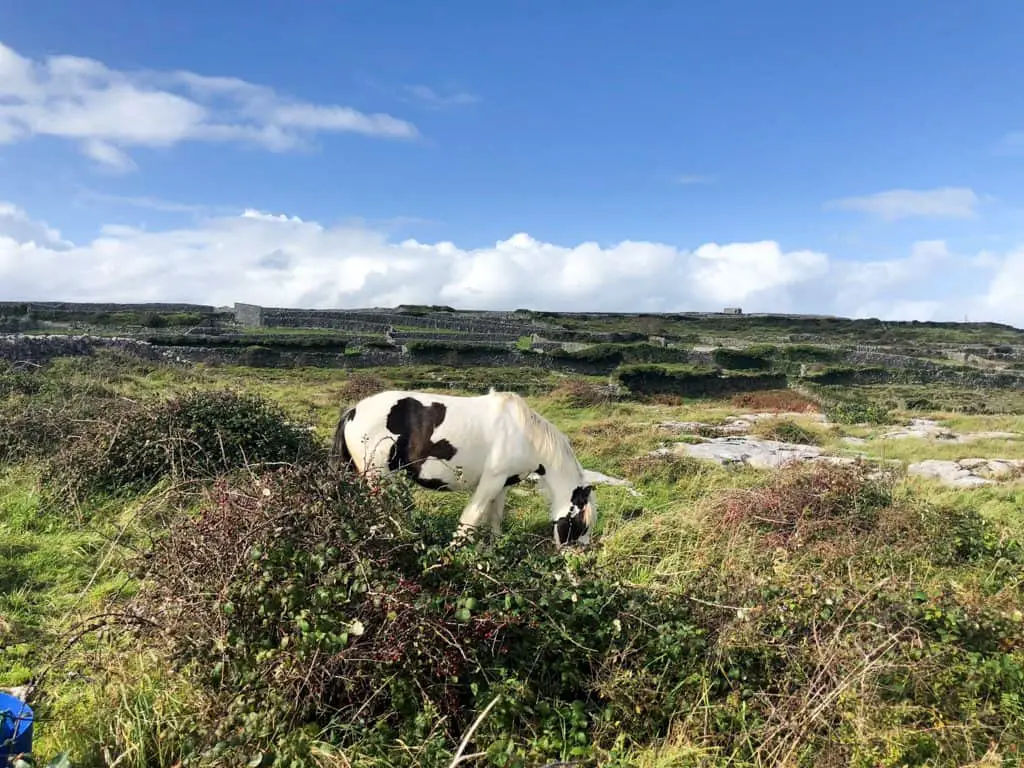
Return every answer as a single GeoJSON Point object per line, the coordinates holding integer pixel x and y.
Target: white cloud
{"type": "Point", "coordinates": [108, 156]}
{"type": "Point", "coordinates": [429, 97]}
{"type": "Point", "coordinates": [106, 111]}
{"type": "Point", "coordinates": [945, 202]}
{"type": "Point", "coordinates": [16, 227]}
{"type": "Point", "coordinates": [285, 260]}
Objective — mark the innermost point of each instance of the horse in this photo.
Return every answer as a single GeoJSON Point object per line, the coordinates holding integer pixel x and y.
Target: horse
{"type": "Point", "coordinates": [479, 443]}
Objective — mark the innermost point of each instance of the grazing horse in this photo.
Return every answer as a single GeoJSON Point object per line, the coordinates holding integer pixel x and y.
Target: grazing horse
{"type": "Point", "coordinates": [482, 443]}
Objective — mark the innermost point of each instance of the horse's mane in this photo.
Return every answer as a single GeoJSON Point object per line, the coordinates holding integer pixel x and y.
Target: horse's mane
{"type": "Point", "coordinates": [548, 440]}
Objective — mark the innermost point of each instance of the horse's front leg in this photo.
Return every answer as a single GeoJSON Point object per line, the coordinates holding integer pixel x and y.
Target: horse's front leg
{"type": "Point", "coordinates": [497, 512]}
{"type": "Point", "coordinates": [479, 507]}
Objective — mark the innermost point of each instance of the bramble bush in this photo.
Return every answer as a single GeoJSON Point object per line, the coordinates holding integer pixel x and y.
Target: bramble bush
{"type": "Point", "coordinates": [194, 436]}
{"type": "Point", "coordinates": [370, 627]}
{"type": "Point", "coordinates": [580, 393]}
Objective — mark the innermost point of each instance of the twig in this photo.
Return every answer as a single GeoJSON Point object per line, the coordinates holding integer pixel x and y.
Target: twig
{"type": "Point", "coordinates": [469, 734]}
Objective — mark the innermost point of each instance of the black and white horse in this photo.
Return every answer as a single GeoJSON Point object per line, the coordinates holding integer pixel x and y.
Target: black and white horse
{"type": "Point", "coordinates": [480, 443]}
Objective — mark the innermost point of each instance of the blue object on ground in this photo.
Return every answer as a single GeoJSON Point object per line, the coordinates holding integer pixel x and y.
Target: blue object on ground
{"type": "Point", "coordinates": [16, 722]}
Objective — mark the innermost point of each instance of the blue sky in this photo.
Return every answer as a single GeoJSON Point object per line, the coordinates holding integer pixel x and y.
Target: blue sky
{"type": "Point", "coordinates": [855, 132]}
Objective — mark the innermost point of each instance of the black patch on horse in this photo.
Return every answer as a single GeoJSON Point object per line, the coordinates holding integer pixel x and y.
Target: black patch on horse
{"type": "Point", "coordinates": [413, 424]}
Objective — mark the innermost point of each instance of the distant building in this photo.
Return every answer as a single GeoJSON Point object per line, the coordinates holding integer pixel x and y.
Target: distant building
{"type": "Point", "coordinates": [732, 311]}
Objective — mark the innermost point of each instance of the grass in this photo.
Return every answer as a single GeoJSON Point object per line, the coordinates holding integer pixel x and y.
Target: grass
{"type": "Point", "coordinates": [762, 563]}
{"type": "Point", "coordinates": [50, 569]}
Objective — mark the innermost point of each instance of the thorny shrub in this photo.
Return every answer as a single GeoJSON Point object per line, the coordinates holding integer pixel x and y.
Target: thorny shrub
{"type": "Point", "coordinates": [807, 501]}
{"type": "Point", "coordinates": [370, 626]}
{"type": "Point", "coordinates": [194, 436]}
{"type": "Point", "coordinates": [359, 385]}
{"type": "Point", "coordinates": [39, 412]}
{"type": "Point", "coordinates": [579, 393]}
{"type": "Point", "coordinates": [837, 636]}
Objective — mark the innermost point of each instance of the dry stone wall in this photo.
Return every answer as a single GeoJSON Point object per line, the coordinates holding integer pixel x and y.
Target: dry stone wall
{"type": "Point", "coordinates": [16, 348]}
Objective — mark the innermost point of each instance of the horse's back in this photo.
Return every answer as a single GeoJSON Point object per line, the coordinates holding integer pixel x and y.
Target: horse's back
{"type": "Point", "coordinates": [430, 432]}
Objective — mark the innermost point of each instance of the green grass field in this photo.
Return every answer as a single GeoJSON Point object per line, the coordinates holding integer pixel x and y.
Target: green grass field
{"type": "Point", "coordinates": [725, 617]}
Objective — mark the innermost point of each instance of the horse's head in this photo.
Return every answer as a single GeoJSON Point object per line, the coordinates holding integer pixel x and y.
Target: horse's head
{"type": "Point", "coordinates": [575, 525]}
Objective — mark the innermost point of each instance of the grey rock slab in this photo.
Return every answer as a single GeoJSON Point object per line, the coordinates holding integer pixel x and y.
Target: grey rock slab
{"type": "Point", "coordinates": [948, 473]}
{"type": "Point", "coordinates": [929, 429]}
{"type": "Point", "coordinates": [967, 473]}
{"type": "Point", "coordinates": [598, 478]}
{"type": "Point", "coordinates": [763, 454]}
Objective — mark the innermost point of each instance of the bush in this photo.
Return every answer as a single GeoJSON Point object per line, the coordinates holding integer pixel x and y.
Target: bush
{"type": "Point", "coordinates": [579, 393]}
{"type": "Point", "coordinates": [775, 400]}
{"type": "Point", "coordinates": [857, 411]}
{"type": "Point", "coordinates": [359, 385]}
{"type": "Point", "coordinates": [785, 431]}
{"type": "Point", "coordinates": [740, 359]}
{"type": "Point", "coordinates": [191, 437]}
{"type": "Point", "coordinates": [808, 501]}
{"type": "Point", "coordinates": [372, 629]}
{"type": "Point", "coordinates": [686, 381]}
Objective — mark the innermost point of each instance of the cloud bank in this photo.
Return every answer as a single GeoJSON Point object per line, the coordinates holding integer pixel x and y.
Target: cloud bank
{"type": "Point", "coordinates": [106, 111]}
{"type": "Point", "coordinates": [282, 260]}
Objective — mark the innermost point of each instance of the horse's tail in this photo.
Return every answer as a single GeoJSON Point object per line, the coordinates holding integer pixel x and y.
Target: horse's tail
{"type": "Point", "coordinates": [339, 448]}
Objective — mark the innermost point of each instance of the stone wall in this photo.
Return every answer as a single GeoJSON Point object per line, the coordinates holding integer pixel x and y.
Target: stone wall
{"type": "Point", "coordinates": [370, 321]}
{"type": "Point", "coordinates": [403, 337]}
{"type": "Point", "coordinates": [91, 307]}
{"type": "Point", "coordinates": [15, 348]}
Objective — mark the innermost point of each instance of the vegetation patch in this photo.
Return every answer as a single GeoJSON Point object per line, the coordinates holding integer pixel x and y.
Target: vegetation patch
{"type": "Point", "coordinates": [774, 401]}
{"type": "Point", "coordinates": [693, 382]}
{"type": "Point", "coordinates": [114, 445]}
{"type": "Point", "coordinates": [786, 431]}
{"type": "Point", "coordinates": [580, 393]}
{"type": "Point", "coordinates": [432, 348]}
{"type": "Point", "coordinates": [371, 629]}
{"type": "Point", "coordinates": [743, 359]}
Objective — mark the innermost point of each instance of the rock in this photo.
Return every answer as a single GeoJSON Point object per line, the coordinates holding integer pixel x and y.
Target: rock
{"type": "Point", "coordinates": [855, 440]}
{"type": "Point", "coordinates": [1000, 469]}
{"type": "Point", "coordinates": [763, 454]}
{"type": "Point", "coordinates": [947, 472]}
{"type": "Point", "coordinates": [972, 463]}
{"type": "Point", "coordinates": [598, 478]}
{"type": "Point", "coordinates": [736, 425]}
{"type": "Point", "coordinates": [967, 473]}
{"type": "Point", "coordinates": [929, 429]}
